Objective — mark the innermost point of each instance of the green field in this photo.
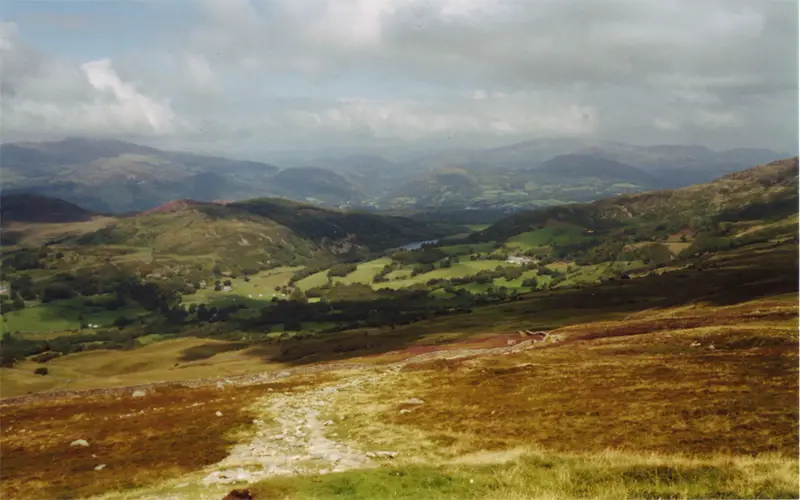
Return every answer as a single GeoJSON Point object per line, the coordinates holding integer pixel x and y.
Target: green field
{"type": "Point", "coordinates": [467, 249]}
{"type": "Point", "coordinates": [261, 287]}
{"type": "Point", "coordinates": [551, 235]}
{"type": "Point", "coordinates": [61, 315]}
{"type": "Point", "coordinates": [313, 281]}
{"type": "Point", "coordinates": [457, 270]}
{"type": "Point", "coordinates": [365, 272]}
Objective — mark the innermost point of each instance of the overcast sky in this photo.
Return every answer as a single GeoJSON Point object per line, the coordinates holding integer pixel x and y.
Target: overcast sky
{"type": "Point", "coordinates": [250, 76]}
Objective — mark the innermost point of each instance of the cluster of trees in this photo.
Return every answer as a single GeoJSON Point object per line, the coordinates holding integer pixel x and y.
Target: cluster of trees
{"type": "Point", "coordinates": [425, 255]}
{"type": "Point", "coordinates": [341, 270]}
{"type": "Point", "coordinates": [13, 349]}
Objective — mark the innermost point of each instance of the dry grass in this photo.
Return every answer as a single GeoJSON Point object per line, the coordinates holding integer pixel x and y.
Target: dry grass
{"type": "Point", "coordinates": [637, 385]}
{"type": "Point", "coordinates": [172, 430]}
{"type": "Point", "coordinates": [38, 233]}
{"type": "Point", "coordinates": [170, 360]}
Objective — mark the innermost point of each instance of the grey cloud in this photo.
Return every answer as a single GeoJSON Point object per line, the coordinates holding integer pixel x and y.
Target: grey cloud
{"type": "Point", "coordinates": [719, 72]}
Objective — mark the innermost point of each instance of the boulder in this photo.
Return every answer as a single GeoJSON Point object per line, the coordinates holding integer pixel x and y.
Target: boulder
{"type": "Point", "coordinates": [239, 495]}
{"type": "Point", "coordinates": [139, 393]}
{"type": "Point", "coordinates": [80, 442]}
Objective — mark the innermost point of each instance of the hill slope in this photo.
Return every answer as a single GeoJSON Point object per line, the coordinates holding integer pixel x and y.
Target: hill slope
{"type": "Point", "coordinates": [772, 186]}
{"type": "Point", "coordinates": [259, 233]}
{"type": "Point", "coordinates": [35, 208]}
{"type": "Point", "coordinates": [115, 176]}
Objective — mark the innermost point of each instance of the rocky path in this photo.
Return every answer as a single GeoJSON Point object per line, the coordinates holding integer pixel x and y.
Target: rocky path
{"type": "Point", "coordinates": [290, 438]}
{"type": "Point", "coordinates": [291, 432]}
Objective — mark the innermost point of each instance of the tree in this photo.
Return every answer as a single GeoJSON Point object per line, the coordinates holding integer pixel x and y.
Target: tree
{"type": "Point", "coordinates": [17, 302]}
{"type": "Point", "coordinates": [57, 291]}
{"type": "Point", "coordinates": [299, 296]}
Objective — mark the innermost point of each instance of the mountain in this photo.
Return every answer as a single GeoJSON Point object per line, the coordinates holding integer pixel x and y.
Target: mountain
{"type": "Point", "coordinates": [442, 188]}
{"type": "Point", "coordinates": [116, 176]}
{"type": "Point", "coordinates": [253, 234]}
{"type": "Point", "coordinates": [768, 191]}
{"type": "Point", "coordinates": [575, 166]}
{"type": "Point", "coordinates": [119, 177]}
{"type": "Point", "coordinates": [35, 208]}
{"type": "Point", "coordinates": [316, 185]}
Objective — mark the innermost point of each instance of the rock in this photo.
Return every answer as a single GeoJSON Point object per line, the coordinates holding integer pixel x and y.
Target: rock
{"type": "Point", "coordinates": [139, 393]}
{"type": "Point", "coordinates": [100, 467]}
{"type": "Point", "coordinates": [80, 442]}
{"type": "Point", "coordinates": [219, 414]}
{"type": "Point", "coordinates": [239, 495]}
{"type": "Point", "coordinates": [278, 437]}
{"type": "Point", "coordinates": [334, 457]}
{"type": "Point", "coordinates": [385, 454]}
{"type": "Point", "coordinates": [229, 476]}
{"type": "Point", "coordinates": [329, 422]}
{"type": "Point", "coordinates": [404, 411]}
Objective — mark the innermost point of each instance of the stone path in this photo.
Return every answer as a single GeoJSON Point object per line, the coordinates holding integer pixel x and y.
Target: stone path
{"type": "Point", "coordinates": [290, 438]}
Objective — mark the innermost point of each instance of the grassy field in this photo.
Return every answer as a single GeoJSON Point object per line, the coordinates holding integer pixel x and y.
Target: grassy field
{"type": "Point", "coordinates": [365, 272]}
{"type": "Point", "coordinates": [261, 286]}
{"type": "Point", "coordinates": [552, 234]}
{"type": "Point", "coordinates": [457, 270]}
{"type": "Point", "coordinates": [62, 315]}
{"type": "Point", "coordinates": [166, 360]}
{"type": "Point", "coordinates": [547, 475]}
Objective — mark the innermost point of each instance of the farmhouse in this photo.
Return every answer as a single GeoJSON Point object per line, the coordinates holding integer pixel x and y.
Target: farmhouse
{"type": "Point", "coordinates": [519, 260]}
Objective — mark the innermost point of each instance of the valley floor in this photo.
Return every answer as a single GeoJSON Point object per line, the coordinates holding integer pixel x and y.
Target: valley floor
{"type": "Point", "coordinates": [691, 401]}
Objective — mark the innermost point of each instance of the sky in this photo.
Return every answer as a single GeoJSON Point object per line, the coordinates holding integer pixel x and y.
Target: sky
{"type": "Point", "coordinates": [250, 77]}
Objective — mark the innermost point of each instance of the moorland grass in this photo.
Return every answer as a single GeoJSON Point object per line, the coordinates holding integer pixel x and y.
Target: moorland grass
{"type": "Point", "coordinates": [172, 430]}
{"type": "Point", "coordinates": [637, 385]}
{"type": "Point", "coordinates": [540, 475]}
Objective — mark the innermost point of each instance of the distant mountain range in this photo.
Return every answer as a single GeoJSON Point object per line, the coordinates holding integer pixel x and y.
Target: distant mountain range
{"type": "Point", "coordinates": [115, 177]}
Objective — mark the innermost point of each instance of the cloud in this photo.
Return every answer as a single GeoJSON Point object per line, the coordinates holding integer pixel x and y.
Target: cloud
{"type": "Point", "coordinates": [45, 96]}
{"type": "Point", "coordinates": [262, 74]}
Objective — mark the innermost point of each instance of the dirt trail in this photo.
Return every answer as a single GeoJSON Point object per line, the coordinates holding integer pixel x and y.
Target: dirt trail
{"type": "Point", "coordinates": [290, 433]}
{"type": "Point", "coordinates": [290, 438]}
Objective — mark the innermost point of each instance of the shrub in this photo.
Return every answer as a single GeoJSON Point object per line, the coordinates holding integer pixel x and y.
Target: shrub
{"type": "Point", "coordinates": [57, 291]}
{"type": "Point", "coordinates": [41, 371]}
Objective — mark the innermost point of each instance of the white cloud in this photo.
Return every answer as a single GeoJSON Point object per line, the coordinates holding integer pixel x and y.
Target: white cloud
{"type": "Point", "coordinates": [46, 96]}
{"type": "Point", "coordinates": [127, 107]}
{"type": "Point", "coordinates": [274, 74]}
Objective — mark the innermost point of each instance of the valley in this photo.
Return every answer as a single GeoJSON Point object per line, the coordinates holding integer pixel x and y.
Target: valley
{"type": "Point", "coordinates": [645, 344]}
{"type": "Point", "coordinates": [114, 177]}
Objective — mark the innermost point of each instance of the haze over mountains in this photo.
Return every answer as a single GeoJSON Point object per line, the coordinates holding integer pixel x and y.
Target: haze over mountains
{"type": "Point", "coordinates": [114, 176]}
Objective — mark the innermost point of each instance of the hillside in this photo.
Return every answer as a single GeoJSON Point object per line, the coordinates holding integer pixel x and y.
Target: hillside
{"type": "Point", "coordinates": [315, 185]}
{"type": "Point", "coordinates": [729, 198]}
{"type": "Point", "coordinates": [257, 234]}
{"type": "Point", "coordinates": [116, 176]}
{"type": "Point", "coordinates": [576, 166]}
{"type": "Point", "coordinates": [34, 208]}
